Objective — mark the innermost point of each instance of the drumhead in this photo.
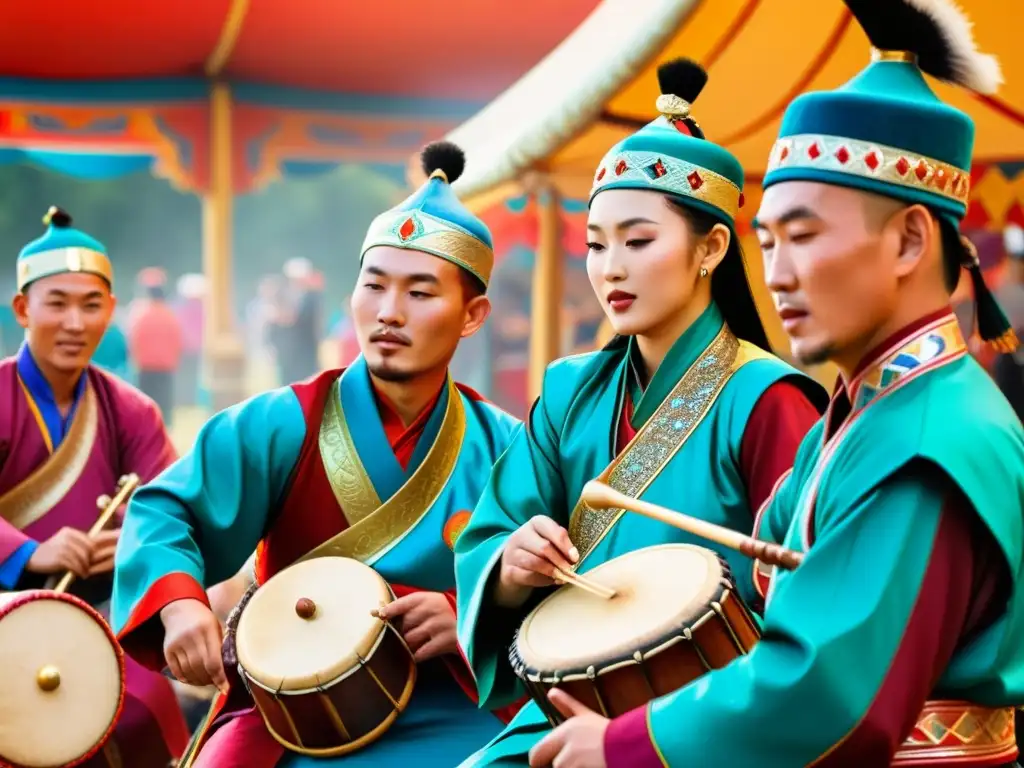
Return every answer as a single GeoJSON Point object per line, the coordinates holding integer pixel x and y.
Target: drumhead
{"type": "Point", "coordinates": [658, 590]}
{"type": "Point", "coordinates": [48, 728]}
{"type": "Point", "coordinates": [282, 651]}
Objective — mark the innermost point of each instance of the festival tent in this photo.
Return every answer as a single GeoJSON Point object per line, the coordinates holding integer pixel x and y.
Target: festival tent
{"type": "Point", "coordinates": [223, 96]}
{"type": "Point", "coordinates": [544, 137]}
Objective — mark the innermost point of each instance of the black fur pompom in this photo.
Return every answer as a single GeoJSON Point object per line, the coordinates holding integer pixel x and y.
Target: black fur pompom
{"type": "Point", "coordinates": [57, 217]}
{"type": "Point", "coordinates": [684, 78]}
{"type": "Point", "coordinates": [443, 156]}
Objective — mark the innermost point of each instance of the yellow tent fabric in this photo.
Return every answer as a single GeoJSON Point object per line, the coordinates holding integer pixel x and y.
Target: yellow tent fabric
{"type": "Point", "coordinates": [760, 54]}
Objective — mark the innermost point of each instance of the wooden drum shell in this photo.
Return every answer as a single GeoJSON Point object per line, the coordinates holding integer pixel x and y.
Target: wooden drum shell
{"type": "Point", "coordinates": [722, 633]}
{"type": "Point", "coordinates": [344, 714]}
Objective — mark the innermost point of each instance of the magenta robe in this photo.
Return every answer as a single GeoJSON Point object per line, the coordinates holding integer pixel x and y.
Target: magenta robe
{"type": "Point", "coordinates": [130, 437]}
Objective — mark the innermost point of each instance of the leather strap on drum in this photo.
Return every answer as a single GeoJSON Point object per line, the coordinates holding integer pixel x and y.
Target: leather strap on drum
{"type": "Point", "coordinates": [42, 490]}
{"type": "Point", "coordinates": [371, 535]}
{"type": "Point", "coordinates": [664, 433]}
{"type": "Point", "coordinates": [958, 733]}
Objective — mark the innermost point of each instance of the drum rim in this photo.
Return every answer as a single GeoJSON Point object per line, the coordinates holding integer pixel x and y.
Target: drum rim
{"type": "Point", "coordinates": [31, 596]}
{"type": "Point", "coordinates": [726, 589]}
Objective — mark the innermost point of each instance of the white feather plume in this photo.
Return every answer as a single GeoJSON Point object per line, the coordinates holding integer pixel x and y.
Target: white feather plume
{"type": "Point", "coordinates": [975, 70]}
{"type": "Point", "coordinates": [1013, 240]}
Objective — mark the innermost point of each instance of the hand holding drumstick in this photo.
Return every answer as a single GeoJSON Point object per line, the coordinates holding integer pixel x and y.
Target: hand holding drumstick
{"type": "Point", "coordinates": [536, 555]}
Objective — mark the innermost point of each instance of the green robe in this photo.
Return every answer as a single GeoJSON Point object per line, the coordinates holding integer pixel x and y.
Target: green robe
{"type": "Point", "coordinates": [697, 404]}
{"type": "Point", "coordinates": [832, 626]}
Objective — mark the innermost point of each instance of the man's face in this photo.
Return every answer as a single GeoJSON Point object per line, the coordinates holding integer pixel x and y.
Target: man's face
{"type": "Point", "coordinates": [830, 261]}
{"type": "Point", "coordinates": [66, 316]}
{"type": "Point", "coordinates": [410, 309]}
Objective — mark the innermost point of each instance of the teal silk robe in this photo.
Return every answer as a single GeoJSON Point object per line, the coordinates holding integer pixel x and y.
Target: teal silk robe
{"type": "Point", "coordinates": [867, 502]}
{"type": "Point", "coordinates": [198, 523]}
{"type": "Point", "coordinates": [571, 439]}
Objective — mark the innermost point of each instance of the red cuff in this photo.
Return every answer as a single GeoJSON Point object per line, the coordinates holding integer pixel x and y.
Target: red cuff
{"type": "Point", "coordinates": [143, 634]}
{"type": "Point", "coordinates": [627, 742]}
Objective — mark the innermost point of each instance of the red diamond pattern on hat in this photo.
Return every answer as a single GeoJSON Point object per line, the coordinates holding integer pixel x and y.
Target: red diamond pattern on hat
{"type": "Point", "coordinates": [600, 174]}
{"type": "Point", "coordinates": [871, 160]}
{"type": "Point", "coordinates": [659, 170]}
{"type": "Point", "coordinates": [959, 182]}
{"type": "Point", "coordinates": [921, 171]}
{"type": "Point", "coordinates": [813, 151]}
{"type": "Point", "coordinates": [843, 155]}
{"type": "Point", "coordinates": [407, 229]}
{"type": "Point", "coordinates": [902, 166]}
{"type": "Point", "coordinates": [784, 153]}
{"type": "Point", "coordinates": [742, 199]}
{"type": "Point", "coordinates": [696, 182]}
{"type": "Point", "coordinates": [621, 167]}
{"type": "Point", "coordinates": [940, 178]}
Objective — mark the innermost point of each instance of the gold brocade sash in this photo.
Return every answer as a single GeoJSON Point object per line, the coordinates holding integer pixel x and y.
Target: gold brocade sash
{"type": "Point", "coordinates": [42, 490]}
{"type": "Point", "coordinates": [664, 433]}
{"type": "Point", "coordinates": [375, 527]}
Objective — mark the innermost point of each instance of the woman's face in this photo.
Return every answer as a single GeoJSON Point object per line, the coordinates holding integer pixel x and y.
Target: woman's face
{"type": "Point", "coordinates": [644, 262]}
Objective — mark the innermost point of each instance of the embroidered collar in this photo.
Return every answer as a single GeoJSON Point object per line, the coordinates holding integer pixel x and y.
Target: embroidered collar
{"type": "Point", "coordinates": [925, 344]}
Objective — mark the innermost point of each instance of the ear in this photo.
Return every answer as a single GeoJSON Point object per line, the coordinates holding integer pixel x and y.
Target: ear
{"type": "Point", "coordinates": [714, 247]}
{"type": "Point", "coordinates": [918, 232]}
{"type": "Point", "coordinates": [477, 310]}
{"type": "Point", "coordinates": [20, 306]}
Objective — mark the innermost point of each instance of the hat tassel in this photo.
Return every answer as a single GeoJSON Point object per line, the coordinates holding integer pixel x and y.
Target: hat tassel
{"type": "Point", "coordinates": [992, 324]}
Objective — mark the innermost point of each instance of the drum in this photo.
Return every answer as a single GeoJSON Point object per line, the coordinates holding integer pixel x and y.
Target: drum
{"type": "Point", "coordinates": [62, 680]}
{"type": "Point", "coordinates": [675, 615]}
{"type": "Point", "coordinates": [327, 675]}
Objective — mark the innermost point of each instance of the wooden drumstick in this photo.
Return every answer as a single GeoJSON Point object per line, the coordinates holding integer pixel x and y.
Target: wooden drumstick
{"type": "Point", "coordinates": [587, 585]}
{"type": "Point", "coordinates": [602, 496]}
{"type": "Point", "coordinates": [108, 507]}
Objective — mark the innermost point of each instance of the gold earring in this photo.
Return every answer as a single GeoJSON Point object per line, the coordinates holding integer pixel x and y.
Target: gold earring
{"type": "Point", "coordinates": [703, 271]}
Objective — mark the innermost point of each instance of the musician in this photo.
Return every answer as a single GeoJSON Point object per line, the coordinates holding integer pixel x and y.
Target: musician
{"type": "Point", "coordinates": [290, 469]}
{"type": "Point", "coordinates": [68, 431]}
{"type": "Point", "coordinates": [711, 418]}
{"type": "Point", "coordinates": [906, 499]}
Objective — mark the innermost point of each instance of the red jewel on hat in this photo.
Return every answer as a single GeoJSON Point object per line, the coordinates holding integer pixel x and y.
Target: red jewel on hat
{"type": "Point", "coordinates": [940, 178]}
{"type": "Point", "coordinates": [842, 155]}
{"type": "Point", "coordinates": [902, 166]}
{"type": "Point", "coordinates": [742, 199]}
{"type": "Point", "coordinates": [600, 174]}
{"type": "Point", "coordinates": [696, 182]}
{"type": "Point", "coordinates": [813, 152]}
{"type": "Point", "coordinates": [407, 228]}
{"type": "Point", "coordinates": [621, 167]}
{"type": "Point", "coordinates": [871, 160]}
{"type": "Point", "coordinates": [659, 170]}
{"type": "Point", "coordinates": [922, 170]}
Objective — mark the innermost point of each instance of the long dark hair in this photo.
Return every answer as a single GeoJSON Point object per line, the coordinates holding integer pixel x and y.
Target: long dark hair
{"type": "Point", "coordinates": [730, 289]}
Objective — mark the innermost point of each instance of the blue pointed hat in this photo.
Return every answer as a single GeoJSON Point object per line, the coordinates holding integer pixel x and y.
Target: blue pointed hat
{"type": "Point", "coordinates": [671, 155]}
{"type": "Point", "coordinates": [885, 131]}
{"type": "Point", "coordinates": [62, 249]}
{"type": "Point", "coordinates": [433, 219]}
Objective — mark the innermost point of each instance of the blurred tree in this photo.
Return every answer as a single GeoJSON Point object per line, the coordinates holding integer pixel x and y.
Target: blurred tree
{"type": "Point", "coordinates": [144, 222]}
